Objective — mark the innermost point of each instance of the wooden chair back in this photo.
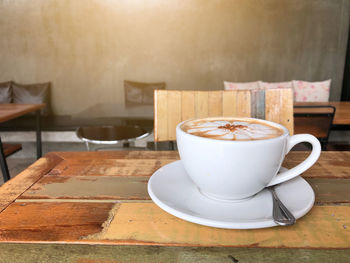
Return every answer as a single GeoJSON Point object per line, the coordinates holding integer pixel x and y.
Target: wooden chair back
{"type": "Point", "coordinates": [174, 106]}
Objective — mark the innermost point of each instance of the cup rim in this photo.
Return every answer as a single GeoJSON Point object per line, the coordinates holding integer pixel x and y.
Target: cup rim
{"type": "Point", "coordinates": [285, 130]}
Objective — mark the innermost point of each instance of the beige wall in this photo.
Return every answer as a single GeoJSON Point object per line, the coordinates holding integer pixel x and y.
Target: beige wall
{"type": "Point", "coordinates": [86, 48]}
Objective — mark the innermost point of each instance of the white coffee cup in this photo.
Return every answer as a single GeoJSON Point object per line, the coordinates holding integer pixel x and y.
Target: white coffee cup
{"type": "Point", "coordinates": [233, 170]}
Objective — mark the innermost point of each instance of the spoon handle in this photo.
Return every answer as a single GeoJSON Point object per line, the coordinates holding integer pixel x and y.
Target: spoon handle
{"type": "Point", "coordinates": [281, 215]}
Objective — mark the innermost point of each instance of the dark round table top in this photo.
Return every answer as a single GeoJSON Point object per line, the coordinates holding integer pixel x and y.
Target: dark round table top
{"type": "Point", "coordinates": [111, 134]}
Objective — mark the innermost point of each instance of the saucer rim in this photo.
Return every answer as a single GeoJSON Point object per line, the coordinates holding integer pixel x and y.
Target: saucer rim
{"type": "Point", "coordinates": [239, 224]}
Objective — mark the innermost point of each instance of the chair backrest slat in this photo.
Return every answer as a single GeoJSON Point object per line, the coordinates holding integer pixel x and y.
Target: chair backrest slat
{"type": "Point", "coordinates": [173, 106]}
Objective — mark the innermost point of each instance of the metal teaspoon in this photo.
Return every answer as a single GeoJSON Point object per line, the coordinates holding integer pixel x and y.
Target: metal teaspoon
{"type": "Point", "coordinates": [281, 215]}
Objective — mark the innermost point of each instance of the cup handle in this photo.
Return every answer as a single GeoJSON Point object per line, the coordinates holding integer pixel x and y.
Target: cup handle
{"type": "Point", "coordinates": [306, 164]}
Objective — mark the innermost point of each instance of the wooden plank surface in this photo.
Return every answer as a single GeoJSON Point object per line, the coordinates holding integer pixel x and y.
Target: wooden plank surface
{"type": "Point", "coordinates": [160, 115]}
{"type": "Point", "coordinates": [188, 109]}
{"type": "Point", "coordinates": [57, 221]}
{"type": "Point", "coordinates": [279, 107]}
{"type": "Point", "coordinates": [91, 178]}
{"type": "Point", "coordinates": [329, 165]}
{"type": "Point", "coordinates": [201, 104]}
{"type": "Point", "coordinates": [243, 103]}
{"type": "Point", "coordinates": [102, 155]}
{"type": "Point", "coordinates": [101, 198]}
{"type": "Point", "coordinates": [82, 253]}
{"type": "Point", "coordinates": [146, 224]}
{"type": "Point", "coordinates": [111, 167]}
{"type": "Point", "coordinates": [11, 110]}
{"type": "Point", "coordinates": [215, 104]}
{"type": "Point", "coordinates": [328, 191]}
{"type": "Point", "coordinates": [89, 188]}
{"type": "Point", "coordinates": [173, 106]}
{"type": "Point", "coordinates": [19, 184]}
{"type": "Point", "coordinates": [173, 113]}
{"type": "Point", "coordinates": [228, 107]}
{"type": "Point", "coordinates": [287, 117]}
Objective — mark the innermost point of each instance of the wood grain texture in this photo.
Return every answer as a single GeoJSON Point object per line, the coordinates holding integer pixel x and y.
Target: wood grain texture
{"type": "Point", "coordinates": [173, 113]}
{"type": "Point", "coordinates": [53, 187]}
{"type": "Point", "coordinates": [215, 103]}
{"type": "Point", "coordinates": [329, 165]}
{"type": "Point", "coordinates": [88, 188]}
{"type": "Point", "coordinates": [17, 185]}
{"type": "Point", "coordinates": [330, 191]}
{"type": "Point", "coordinates": [102, 155]}
{"type": "Point", "coordinates": [160, 114]}
{"type": "Point", "coordinates": [201, 104]}
{"type": "Point", "coordinates": [108, 167]}
{"type": "Point", "coordinates": [188, 109]}
{"type": "Point", "coordinates": [243, 103]}
{"type": "Point", "coordinates": [279, 107]}
{"type": "Point", "coordinates": [273, 101]}
{"type": "Point", "coordinates": [101, 198]}
{"type": "Point", "coordinates": [286, 110]}
{"type": "Point", "coordinates": [173, 106]}
{"type": "Point", "coordinates": [52, 221]}
{"type": "Point", "coordinates": [229, 107]}
{"type": "Point", "coordinates": [146, 223]}
{"type": "Point", "coordinates": [258, 104]}
{"type": "Point", "coordinates": [80, 253]}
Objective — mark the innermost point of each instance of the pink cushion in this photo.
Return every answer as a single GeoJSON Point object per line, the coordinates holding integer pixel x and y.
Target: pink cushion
{"type": "Point", "coordinates": [311, 91]}
{"type": "Point", "coordinates": [241, 85]}
{"type": "Point", "coordinates": [275, 85]}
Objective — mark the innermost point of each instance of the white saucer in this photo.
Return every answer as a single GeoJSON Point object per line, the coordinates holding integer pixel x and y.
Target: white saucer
{"type": "Point", "coordinates": [173, 191]}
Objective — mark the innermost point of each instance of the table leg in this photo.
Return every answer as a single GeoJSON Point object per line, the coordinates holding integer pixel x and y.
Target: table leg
{"type": "Point", "coordinates": [87, 146]}
{"type": "Point", "coordinates": [38, 135]}
{"type": "Point", "coordinates": [3, 163]}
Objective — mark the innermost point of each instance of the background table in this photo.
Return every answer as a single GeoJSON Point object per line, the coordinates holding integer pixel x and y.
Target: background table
{"type": "Point", "coordinates": [110, 135]}
{"type": "Point", "coordinates": [342, 113]}
{"type": "Point", "coordinates": [12, 110]}
{"type": "Point", "coordinates": [94, 207]}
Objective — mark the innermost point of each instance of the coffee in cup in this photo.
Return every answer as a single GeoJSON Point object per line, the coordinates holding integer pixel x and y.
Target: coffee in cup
{"type": "Point", "coordinates": [231, 129]}
{"type": "Point", "coordinates": [235, 158]}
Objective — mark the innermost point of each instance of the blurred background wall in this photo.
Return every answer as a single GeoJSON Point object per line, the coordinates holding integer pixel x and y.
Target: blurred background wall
{"type": "Point", "coordinates": [87, 48]}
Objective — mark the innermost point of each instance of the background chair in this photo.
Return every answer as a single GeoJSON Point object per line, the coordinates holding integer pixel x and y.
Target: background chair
{"type": "Point", "coordinates": [316, 120]}
{"type": "Point", "coordinates": [5, 151]}
{"type": "Point", "coordinates": [173, 106]}
{"type": "Point", "coordinates": [140, 93]}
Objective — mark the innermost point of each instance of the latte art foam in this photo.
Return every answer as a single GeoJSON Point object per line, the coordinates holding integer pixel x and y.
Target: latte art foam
{"type": "Point", "coordinates": [231, 129]}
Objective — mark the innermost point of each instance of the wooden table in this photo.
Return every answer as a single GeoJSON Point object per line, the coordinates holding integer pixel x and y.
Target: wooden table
{"type": "Point", "coordinates": [94, 207]}
{"type": "Point", "coordinates": [11, 111]}
{"type": "Point", "coordinates": [342, 113]}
